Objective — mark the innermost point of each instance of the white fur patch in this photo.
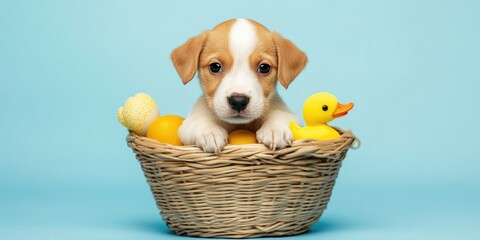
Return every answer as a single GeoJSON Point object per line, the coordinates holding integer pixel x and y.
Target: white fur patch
{"type": "Point", "coordinates": [241, 79]}
{"type": "Point", "coordinates": [242, 40]}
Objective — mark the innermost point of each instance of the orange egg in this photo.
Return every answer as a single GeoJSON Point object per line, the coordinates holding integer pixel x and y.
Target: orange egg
{"type": "Point", "coordinates": [165, 129]}
{"type": "Point", "coordinates": [242, 137]}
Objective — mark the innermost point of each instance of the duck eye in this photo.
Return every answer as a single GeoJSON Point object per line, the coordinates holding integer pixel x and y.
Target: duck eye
{"type": "Point", "coordinates": [263, 68]}
{"type": "Point", "coordinates": [215, 67]}
{"type": "Point", "coordinates": [325, 108]}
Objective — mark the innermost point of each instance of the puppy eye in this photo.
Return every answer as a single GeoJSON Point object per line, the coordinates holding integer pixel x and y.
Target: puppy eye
{"type": "Point", "coordinates": [325, 108]}
{"type": "Point", "coordinates": [215, 67]}
{"type": "Point", "coordinates": [264, 68]}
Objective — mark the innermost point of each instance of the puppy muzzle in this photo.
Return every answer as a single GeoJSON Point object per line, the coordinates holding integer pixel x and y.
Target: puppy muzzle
{"type": "Point", "coordinates": [238, 102]}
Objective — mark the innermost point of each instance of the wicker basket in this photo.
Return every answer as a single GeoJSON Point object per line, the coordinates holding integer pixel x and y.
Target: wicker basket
{"type": "Point", "coordinates": [247, 191]}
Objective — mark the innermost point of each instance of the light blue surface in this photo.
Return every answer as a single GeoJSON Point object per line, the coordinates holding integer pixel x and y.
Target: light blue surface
{"type": "Point", "coordinates": [411, 67]}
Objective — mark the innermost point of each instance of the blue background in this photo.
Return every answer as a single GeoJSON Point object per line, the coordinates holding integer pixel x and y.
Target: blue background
{"type": "Point", "coordinates": [411, 67]}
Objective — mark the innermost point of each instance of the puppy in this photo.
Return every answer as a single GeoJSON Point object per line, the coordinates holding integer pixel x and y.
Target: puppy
{"type": "Point", "coordinates": [239, 63]}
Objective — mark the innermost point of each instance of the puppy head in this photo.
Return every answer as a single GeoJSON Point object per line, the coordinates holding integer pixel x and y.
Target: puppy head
{"type": "Point", "coordinates": [239, 63]}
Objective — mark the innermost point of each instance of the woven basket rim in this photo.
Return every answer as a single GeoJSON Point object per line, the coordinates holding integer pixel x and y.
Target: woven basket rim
{"type": "Point", "coordinates": [345, 141]}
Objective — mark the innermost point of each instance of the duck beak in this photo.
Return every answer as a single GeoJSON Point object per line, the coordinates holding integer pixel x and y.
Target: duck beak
{"type": "Point", "coordinates": [342, 110]}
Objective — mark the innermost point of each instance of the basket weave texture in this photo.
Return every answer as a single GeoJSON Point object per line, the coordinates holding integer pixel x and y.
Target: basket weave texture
{"type": "Point", "coordinates": [246, 191]}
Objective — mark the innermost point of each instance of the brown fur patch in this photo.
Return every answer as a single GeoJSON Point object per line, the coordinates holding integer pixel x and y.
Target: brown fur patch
{"type": "Point", "coordinates": [264, 52]}
{"type": "Point", "coordinates": [216, 49]}
{"type": "Point", "coordinates": [185, 57]}
{"type": "Point", "coordinates": [291, 60]}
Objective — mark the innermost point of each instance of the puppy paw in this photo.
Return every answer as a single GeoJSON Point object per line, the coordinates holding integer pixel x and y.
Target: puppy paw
{"type": "Point", "coordinates": [275, 137]}
{"type": "Point", "coordinates": [212, 139]}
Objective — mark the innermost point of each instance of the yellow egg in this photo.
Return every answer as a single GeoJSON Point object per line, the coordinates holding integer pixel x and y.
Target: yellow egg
{"type": "Point", "coordinates": [165, 129]}
{"type": "Point", "coordinates": [242, 137]}
{"type": "Point", "coordinates": [138, 113]}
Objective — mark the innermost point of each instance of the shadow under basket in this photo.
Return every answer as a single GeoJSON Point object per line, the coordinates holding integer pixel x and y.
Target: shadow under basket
{"type": "Point", "coordinates": [246, 191]}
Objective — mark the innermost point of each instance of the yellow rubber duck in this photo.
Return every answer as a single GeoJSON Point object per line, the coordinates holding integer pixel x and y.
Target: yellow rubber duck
{"type": "Point", "coordinates": [319, 109]}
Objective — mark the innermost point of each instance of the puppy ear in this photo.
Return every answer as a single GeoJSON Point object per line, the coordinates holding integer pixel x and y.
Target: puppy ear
{"type": "Point", "coordinates": [185, 57]}
{"type": "Point", "coordinates": [291, 60]}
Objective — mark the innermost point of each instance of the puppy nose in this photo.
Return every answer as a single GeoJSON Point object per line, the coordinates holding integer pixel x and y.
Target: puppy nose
{"type": "Point", "coordinates": [238, 102]}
